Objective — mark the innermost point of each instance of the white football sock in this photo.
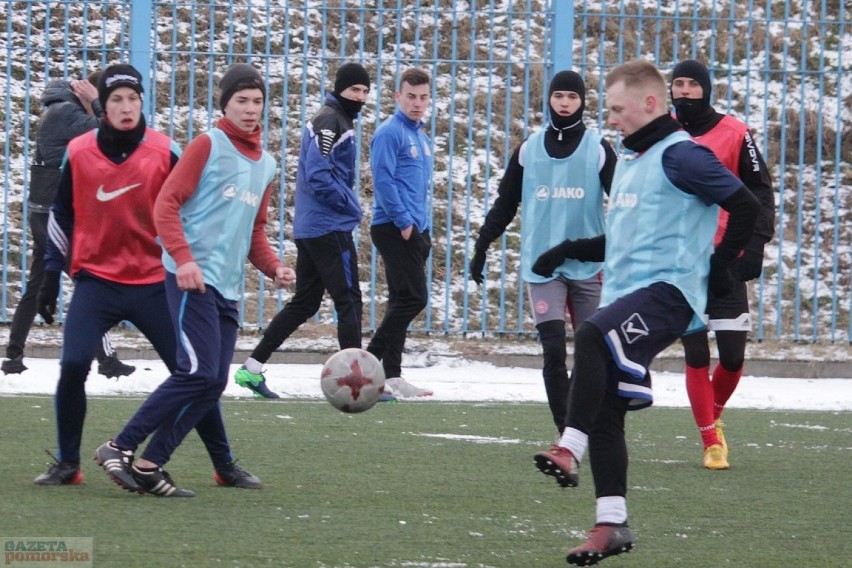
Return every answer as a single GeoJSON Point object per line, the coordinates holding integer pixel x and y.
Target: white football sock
{"type": "Point", "coordinates": [611, 510]}
{"type": "Point", "coordinates": [253, 366]}
{"type": "Point", "coordinates": [575, 441]}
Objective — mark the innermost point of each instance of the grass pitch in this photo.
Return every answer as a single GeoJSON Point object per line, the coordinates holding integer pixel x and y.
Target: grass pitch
{"type": "Point", "coordinates": [440, 485]}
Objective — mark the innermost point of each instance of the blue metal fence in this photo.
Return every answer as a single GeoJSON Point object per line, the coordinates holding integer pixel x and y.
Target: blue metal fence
{"type": "Point", "coordinates": [778, 65]}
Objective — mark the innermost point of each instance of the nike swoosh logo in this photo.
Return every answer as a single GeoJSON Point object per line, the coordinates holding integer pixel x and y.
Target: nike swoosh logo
{"type": "Point", "coordinates": [110, 195]}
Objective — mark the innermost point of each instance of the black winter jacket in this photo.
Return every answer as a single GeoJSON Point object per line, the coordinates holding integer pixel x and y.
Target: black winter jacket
{"type": "Point", "coordinates": [63, 118]}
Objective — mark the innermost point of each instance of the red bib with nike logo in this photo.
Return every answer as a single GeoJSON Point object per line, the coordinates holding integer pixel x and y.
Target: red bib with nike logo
{"type": "Point", "coordinates": [114, 236]}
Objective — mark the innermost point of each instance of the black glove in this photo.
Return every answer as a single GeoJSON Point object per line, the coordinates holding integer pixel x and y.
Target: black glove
{"type": "Point", "coordinates": [721, 284]}
{"type": "Point", "coordinates": [748, 266]}
{"type": "Point", "coordinates": [551, 259]}
{"type": "Point", "coordinates": [477, 264]}
{"type": "Point", "coordinates": [48, 292]}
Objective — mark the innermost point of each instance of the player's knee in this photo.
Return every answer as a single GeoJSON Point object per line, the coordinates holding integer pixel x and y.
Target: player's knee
{"type": "Point", "coordinates": [75, 367]}
{"type": "Point", "coordinates": [588, 338]}
{"type": "Point", "coordinates": [348, 308]}
{"type": "Point", "coordinates": [696, 350]}
{"type": "Point", "coordinates": [732, 363]}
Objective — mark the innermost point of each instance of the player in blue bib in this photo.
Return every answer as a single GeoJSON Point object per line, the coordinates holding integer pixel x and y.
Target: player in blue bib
{"type": "Point", "coordinates": [558, 177]}
{"type": "Point", "coordinates": [657, 247]}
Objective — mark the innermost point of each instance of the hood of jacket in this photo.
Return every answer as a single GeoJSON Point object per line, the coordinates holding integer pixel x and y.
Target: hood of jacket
{"type": "Point", "coordinates": [58, 91]}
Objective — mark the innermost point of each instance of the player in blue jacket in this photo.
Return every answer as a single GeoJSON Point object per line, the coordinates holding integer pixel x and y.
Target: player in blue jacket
{"type": "Point", "coordinates": [327, 211]}
{"type": "Point", "coordinates": [401, 162]}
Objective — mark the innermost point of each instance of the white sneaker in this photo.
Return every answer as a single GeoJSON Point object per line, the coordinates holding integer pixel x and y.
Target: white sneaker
{"type": "Point", "coordinates": [387, 394]}
{"type": "Point", "coordinates": [404, 389]}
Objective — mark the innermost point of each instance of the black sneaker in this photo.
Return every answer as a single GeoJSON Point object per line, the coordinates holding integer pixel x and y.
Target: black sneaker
{"type": "Point", "coordinates": [13, 366]}
{"type": "Point", "coordinates": [159, 482]}
{"type": "Point", "coordinates": [117, 465]}
{"type": "Point", "coordinates": [112, 368]}
{"type": "Point", "coordinates": [60, 473]}
{"type": "Point", "coordinates": [232, 475]}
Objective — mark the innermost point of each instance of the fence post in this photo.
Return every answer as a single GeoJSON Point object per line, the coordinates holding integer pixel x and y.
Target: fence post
{"type": "Point", "coordinates": [141, 24]}
{"type": "Point", "coordinates": [562, 36]}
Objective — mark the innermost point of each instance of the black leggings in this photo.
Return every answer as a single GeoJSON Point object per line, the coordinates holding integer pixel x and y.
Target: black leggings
{"type": "Point", "coordinates": [597, 412]}
{"type": "Point", "coordinates": [731, 346]}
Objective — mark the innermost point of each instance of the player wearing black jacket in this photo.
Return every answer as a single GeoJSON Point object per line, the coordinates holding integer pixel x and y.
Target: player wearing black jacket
{"type": "Point", "coordinates": [70, 109]}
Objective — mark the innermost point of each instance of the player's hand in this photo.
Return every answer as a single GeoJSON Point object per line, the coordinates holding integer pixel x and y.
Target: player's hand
{"type": "Point", "coordinates": [284, 276]}
{"type": "Point", "coordinates": [551, 259]}
{"type": "Point", "coordinates": [84, 90]}
{"type": "Point", "coordinates": [477, 264]}
{"type": "Point", "coordinates": [747, 266]}
{"type": "Point", "coordinates": [720, 282]}
{"type": "Point", "coordinates": [406, 232]}
{"type": "Point", "coordinates": [190, 278]}
{"type": "Point", "coordinates": [48, 292]}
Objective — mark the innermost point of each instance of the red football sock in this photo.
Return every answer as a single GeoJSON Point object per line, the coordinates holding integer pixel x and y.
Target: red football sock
{"type": "Point", "coordinates": [724, 384]}
{"type": "Point", "coordinates": [700, 392]}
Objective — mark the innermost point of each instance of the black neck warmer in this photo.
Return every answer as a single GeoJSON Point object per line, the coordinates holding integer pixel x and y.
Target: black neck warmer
{"type": "Point", "coordinates": [118, 144]}
{"type": "Point", "coordinates": [350, 107]}
{"type": "Point", "coordinates": [651, 133]}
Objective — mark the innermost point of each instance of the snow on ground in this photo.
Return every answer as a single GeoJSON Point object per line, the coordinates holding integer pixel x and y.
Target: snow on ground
{"type": "Point", "coordinates": [451, 380]}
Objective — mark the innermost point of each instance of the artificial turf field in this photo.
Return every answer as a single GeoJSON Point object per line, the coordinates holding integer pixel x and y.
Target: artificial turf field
{"type": "Point", "coordinates": [440, 485]}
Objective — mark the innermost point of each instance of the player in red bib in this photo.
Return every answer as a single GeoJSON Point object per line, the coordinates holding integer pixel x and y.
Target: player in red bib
{"type": "Point", "coordinates": [101, 230]}
{"type": "Point", "coordinates": [728, 317]}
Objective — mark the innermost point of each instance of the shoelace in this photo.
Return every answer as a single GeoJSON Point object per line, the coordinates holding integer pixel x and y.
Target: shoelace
{"type": "Point", "coordinates": [53, 457]}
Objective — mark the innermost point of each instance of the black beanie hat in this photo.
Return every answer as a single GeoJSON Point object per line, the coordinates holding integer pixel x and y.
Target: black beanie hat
{"type": "Point", "coordinates": [115, 76]}
{"type": "Point", "coordinates": [239, 76]}
{"type": "Point", "coordinates": [350, 74]}
{"type": "Point", "coordinates": [692, 69]}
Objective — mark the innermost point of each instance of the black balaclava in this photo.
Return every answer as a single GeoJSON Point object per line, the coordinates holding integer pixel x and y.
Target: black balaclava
{"type": "Point", "coordinates": [350, 74]}
{"type": "Point", "coordinates": [566, 81]}
{"type": "Point", "coordinates": [690, 111]}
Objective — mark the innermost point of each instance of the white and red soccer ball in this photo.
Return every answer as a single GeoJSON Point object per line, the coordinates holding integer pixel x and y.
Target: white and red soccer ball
{"type": "Point", "coordinates": [352, 380]}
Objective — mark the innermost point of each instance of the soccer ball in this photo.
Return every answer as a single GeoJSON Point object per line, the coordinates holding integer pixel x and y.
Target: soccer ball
{"type": "Point", "coordinates": [352, 380]}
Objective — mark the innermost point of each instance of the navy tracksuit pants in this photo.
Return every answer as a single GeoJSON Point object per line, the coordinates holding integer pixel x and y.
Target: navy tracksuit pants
{"type": "Point", "coordinates": [206, 325]}
{"type": "Point", "coordinates": [96, 306]}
